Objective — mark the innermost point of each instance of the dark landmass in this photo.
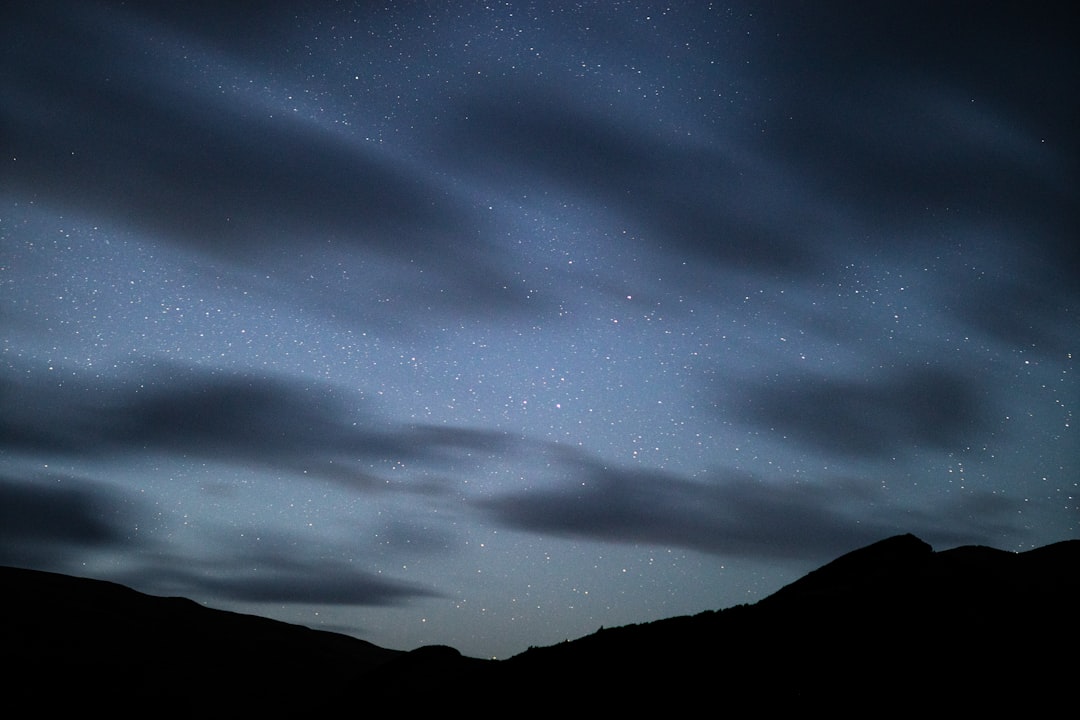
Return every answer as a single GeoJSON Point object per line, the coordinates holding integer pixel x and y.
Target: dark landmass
{"type": "Point", "coordinates": [891, 626]}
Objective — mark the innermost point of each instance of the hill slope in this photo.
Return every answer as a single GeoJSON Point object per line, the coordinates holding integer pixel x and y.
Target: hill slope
{"type": "Point", "coordinates": [970, 627]}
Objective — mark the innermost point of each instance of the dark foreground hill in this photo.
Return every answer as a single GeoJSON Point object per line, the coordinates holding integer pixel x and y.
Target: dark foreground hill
{"type": "Point", "coordinates": [891, 626]}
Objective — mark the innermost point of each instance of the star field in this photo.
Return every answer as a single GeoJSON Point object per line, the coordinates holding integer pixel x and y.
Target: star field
{"type": "Point", "coordinates": [490, 325]}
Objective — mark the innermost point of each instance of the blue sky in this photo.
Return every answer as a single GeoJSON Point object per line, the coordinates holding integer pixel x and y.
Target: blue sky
{"type": "Point", "coordinates": [487, 325]}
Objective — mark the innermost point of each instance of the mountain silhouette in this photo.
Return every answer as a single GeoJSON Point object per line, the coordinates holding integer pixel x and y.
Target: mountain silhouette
{"type": "Point", "coordinates": [892, 626]}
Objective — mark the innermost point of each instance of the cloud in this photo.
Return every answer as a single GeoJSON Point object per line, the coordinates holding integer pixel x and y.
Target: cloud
{"type": "Point", "coordinates": [714, 204]}
{"type": "Point", "coordinates": [259, 564]}
{"type": "Point", "coordinates": [975, 517]}
{"type": "Point", "coordinates": [1027, 304]}
{"type": "Point", "coordinates": [146, 141]}
{"type": "Point", "coordinates": [280, 576]}
{"type": "Point", "coordinates": [288, 424]}
{"type": "Point", "coordinates": [326, 585]}
{"type": "Point", "coordinates": [735, 514]}
{"type": "Point", "coordinates": [170, 139]}
{"type": "Point", "coordinates": [893, 120]}
{"type": "Point", "coordinates": [925, 407]}
{"type": "Point", "coordinates": [56, 522]}
{"type": "Point", "coordinates": [45, 521]}
{"type": "Point", "coordinates": [727, 514]}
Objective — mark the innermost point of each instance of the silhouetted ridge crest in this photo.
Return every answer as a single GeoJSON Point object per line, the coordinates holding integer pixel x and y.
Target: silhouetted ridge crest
{"type": "Point", "coordinates": [879, 565]}
{"type": "Point", "coordinates": [963, 629]}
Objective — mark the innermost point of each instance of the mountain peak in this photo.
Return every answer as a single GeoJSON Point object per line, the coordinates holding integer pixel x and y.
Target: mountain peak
{"type": "Point", "coordinates": [889, 559]}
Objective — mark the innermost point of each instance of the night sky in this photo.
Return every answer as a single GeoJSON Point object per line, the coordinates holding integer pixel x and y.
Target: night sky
{"type": "Point", "coordinates": [490, 324]}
